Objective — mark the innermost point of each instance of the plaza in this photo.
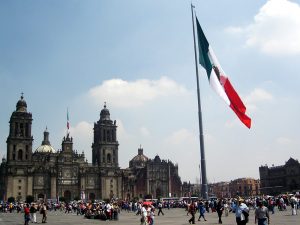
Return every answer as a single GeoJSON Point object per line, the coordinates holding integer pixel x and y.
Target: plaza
{"type": "Point", "coordinates": [172, 217]}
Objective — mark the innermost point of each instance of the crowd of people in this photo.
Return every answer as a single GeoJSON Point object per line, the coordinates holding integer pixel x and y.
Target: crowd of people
{"type": "Point", "coordinates": [262, 206]}
{"type": "Point", "coordinates": [146, 210]}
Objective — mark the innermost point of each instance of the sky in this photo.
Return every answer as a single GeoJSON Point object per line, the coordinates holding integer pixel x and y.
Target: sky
{"type": "Point", "coordinates": [138, 57]}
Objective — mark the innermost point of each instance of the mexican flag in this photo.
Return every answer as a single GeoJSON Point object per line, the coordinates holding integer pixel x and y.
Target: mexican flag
{"type": "Point", "coordinates": [218, 79]}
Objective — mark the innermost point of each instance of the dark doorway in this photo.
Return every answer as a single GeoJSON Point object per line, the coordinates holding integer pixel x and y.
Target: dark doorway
{"type": "Point", "coordinates": [67, 196]}
{"type": "Point", "coordinates": [92, 196]}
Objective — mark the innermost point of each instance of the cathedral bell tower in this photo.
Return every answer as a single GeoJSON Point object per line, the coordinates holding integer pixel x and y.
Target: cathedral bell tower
{"type": "Point", "coordinates": [19, 140]}
{"type": "Point", "coordinates": [19, 151]}
{"type": "Point", "coordinates": [105, 145]}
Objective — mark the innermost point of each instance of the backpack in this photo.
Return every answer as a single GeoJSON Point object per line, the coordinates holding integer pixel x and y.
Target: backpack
{"type": "Point", "coordinates": [246, 215]}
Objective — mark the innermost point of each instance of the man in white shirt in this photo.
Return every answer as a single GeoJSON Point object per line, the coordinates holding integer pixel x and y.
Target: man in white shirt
{"type": "Point", "coordinates": [241, 212]}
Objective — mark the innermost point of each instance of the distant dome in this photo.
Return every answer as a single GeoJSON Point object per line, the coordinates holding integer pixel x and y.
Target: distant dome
{"type": "Point", "coordinates": [21, 105]}
{"type": "Point", "coordinates": [104, 114]}
{"type": "Point", "coordinates": [46, 146]}
{"type": "Point", "coordinates": [139, 160]}
{"type": "Point", "coordinates": [157, 159]}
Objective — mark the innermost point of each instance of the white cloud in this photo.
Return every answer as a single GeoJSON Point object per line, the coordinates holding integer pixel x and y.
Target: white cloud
{"type": "Point", "coordinates": [181, 136]}
{"type": "Point", "coordinates": [124, 94]}
{"type": "Point", "coordinates": [82, 134]}
{"type": "Point", "coordinates": [256, 96]}
{"type": "Point", "coordinates": [145, 132]}
{"type": "Point", "coordinates": [275, 29]}
{"type": "Point", "coordinates": [284, 141]}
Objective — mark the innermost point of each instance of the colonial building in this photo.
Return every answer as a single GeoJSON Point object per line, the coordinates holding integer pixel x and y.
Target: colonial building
{"type": "Point", "coordinates": [280, 179]}
{"type": "Point", "coordinates": [157, 178]}
{"type": "Point", "coordinates": [244, 187]}
{"type": "Point", "coordinates": [49, 173]}
{"type": "Point", "coordinates": [220, 189]}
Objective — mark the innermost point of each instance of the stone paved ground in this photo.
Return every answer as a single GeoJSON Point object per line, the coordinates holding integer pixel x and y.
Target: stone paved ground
{"type": "Point", "coordinates": [171, 217]}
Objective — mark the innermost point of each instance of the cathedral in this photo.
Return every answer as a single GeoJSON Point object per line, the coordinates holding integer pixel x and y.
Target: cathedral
{"type": "Point", "coordinates": [48, 174]}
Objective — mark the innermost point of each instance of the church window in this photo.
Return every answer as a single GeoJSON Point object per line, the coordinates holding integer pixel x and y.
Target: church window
{"type": "Point", "coordinates": [26, 130]}
{"type": "Point", "coordinates": [20, 154]}
{"type": "Point", "coordinates": [27, 151]}
{"type": "Point", "coordinates": [113, 135]}
{"type": "Point", "coordinates": [108, 135]}
{"type": "Point", "coordinates": [108, 158]}
{"type": "Point", "coordinates": [16, 129]}
{"type": "Point", "coordinates": [21, 130]}
{"type": "Point", "coordinates": [14, 156]}
{"type": "Point", "coordinates": [104, 135]}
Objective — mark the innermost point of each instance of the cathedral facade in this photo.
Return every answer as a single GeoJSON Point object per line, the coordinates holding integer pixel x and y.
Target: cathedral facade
{"type": "Point", "coordinates": [280, 179]}
{"type": "Point", "coordinates": [47, 174]}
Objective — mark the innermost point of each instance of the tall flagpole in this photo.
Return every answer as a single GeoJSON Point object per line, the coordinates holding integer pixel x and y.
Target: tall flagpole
{"type": "Point", "coordinates": [204, 188]}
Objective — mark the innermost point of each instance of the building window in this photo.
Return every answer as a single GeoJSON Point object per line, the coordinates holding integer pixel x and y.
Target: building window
{"type": "Point", "coordinates": [20, 181]}
{"type": "Point", "coordinates": [19, 187]}
{"type": "Point", "coordinates": [108, 158]}
{"type": "Point", "coordinates": [27, 130]}
{"type": "Point", "coordinates": [20, 154]}
{"type": "Point", "coordinates": [19, 193]}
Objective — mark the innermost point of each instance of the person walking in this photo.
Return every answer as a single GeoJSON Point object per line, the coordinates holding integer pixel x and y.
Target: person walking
{"type": "Point", "coordinates": [33, 211]}
{"type": "Point", "coordinates": [192, 211]}
{"type": "Point", "coordinates": [201, 208]}
{"type": "Point", "coordinates": [241, 212]}
{"type": "Point", "coordinates": [143, 215]}
{"type": "Point", "coordinates": [226, 208]}
{"type": "Point", "coordinates": [262, 214]}
{"type": "Point", "coordinates": [219, 209]}
{"type": "Point", "coordinates": [26, 214]}
{"type": "Point", "coordinates": [160, 209]}
{"type": "Point", "coordinates": [44, 213]}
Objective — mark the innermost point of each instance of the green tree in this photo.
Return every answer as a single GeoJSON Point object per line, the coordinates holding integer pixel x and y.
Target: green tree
{"type": "Point", "coordinates": [62, 199]}
{"type": "Point", "coordinates": [29, 199]}
{"type": "Point", "coordinates": [11, 199]}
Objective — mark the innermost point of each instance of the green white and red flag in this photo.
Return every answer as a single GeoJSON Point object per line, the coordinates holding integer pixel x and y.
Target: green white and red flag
{"type": "Point", "coordinates": [218, 79]}
{"type": "Point", "coordinates": [68, 124]}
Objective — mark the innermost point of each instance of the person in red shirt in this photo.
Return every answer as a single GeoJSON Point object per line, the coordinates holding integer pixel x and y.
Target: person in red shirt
{"type": "Point", "coordinates": [26, 214]}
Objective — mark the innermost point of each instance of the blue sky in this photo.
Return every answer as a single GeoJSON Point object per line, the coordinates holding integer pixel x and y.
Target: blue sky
{"type": "Point", "coordinates": [138, 57]}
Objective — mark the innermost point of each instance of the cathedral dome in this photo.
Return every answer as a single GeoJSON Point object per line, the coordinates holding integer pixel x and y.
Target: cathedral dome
{"type": "Point", "coordinates": [139, 160]}
{"type": "Point", "coordinates": [21, 105]}
{"type": "Point", "coordinates": [157, 159]}
{"type": "Point", "coordinates": [104, 114]}
{"type": "Point", "coordinates": [46, 146]}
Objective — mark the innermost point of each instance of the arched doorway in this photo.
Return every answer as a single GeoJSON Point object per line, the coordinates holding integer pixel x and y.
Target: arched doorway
{"type": "Point", "coordinates": [41, 196]}
{"type": "Point", "coordinates": [67, 196]}
{"type": "Point", "coordinates": [92, 196]}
